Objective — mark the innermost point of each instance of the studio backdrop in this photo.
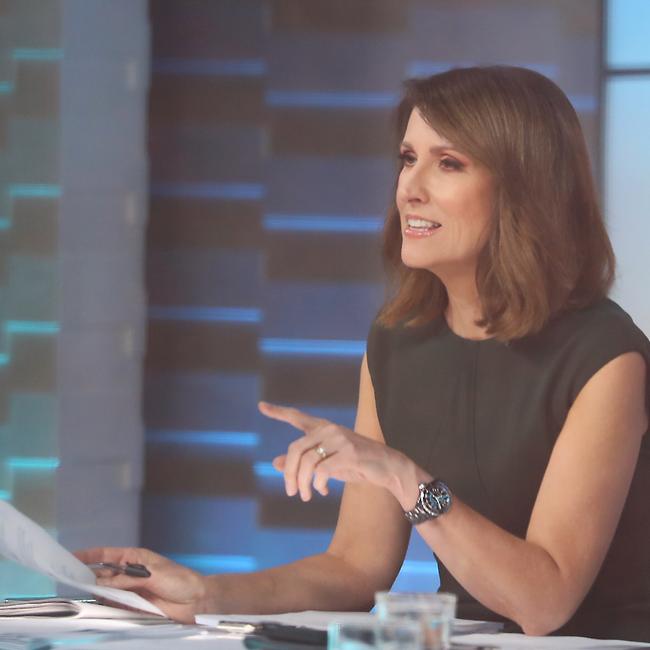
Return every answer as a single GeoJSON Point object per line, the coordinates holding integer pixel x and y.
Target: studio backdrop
{"type": "Point", "coordinates": [191, 200]}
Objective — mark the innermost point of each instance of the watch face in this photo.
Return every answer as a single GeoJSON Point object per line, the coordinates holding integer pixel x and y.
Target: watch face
{"type": "Point", "coordinates": [436, 499]}
{"type": "Point", "coordinates": [431, 502]}
{"type": "Point", "coordinates": [441, 492]}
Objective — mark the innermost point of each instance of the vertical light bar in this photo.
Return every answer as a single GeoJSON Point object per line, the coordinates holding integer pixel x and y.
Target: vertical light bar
{"type": "Point", "coordinates": [627, 191]}
{"type": "Point", "coordinates": [628, 29]}
{"type": "Point", "coordinates": [626, 140]}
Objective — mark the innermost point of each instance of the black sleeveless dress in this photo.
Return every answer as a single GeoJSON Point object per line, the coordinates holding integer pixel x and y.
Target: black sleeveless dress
{"type": "Point", "coordinates": [484, 415]}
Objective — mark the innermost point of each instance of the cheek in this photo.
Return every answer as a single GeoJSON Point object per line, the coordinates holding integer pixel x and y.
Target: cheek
{"type": "Point", "coordinates": [399, 192]}
{"type": "Point", "coordinates": [473, 221]}
{"type": "Point", "coordinates": [481, 203]}
{"type": "Point", "coordinates": [483, 220]}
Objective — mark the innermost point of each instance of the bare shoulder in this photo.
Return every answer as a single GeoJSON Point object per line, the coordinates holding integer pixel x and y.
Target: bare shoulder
{"type": "Point", "coordinates": [616, 392]}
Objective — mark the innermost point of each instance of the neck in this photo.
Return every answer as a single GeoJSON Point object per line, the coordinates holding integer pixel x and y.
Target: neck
{"type": "Point", "coordinates": [464, 307]}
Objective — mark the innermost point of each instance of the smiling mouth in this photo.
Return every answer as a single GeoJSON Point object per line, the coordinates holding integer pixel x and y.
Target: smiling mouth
{"type": "Point", "coordinates": [419, 227]}
{"type": "Point", "coordinates": [416, 223]}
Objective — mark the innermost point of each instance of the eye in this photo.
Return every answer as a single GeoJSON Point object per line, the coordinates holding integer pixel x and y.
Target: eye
{"type": "Point", "coordinates": [407, 158]}
{"type": "Point", "coordinates": [450, 164]}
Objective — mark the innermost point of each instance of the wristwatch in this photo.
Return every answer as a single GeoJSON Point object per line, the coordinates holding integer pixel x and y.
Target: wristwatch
{"type": "Point", "coordinates": [434, 500]}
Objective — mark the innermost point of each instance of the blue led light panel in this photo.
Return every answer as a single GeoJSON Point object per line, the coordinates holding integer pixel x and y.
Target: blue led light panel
{"type": "Point", "coordinates": [628, 34]}
{"type": "Point", "coordinates": [627, 194]}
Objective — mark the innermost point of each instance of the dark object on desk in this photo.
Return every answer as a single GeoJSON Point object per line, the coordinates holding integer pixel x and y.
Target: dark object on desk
{"type": "Point", "coordinates": [264, 643]}
{"type": "Point", "coordinates": [276, 636]}
{"type": "Point", "coordinates": [129, 569]}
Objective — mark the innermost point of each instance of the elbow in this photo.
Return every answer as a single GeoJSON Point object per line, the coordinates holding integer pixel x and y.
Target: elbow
{"type": "Point", "coordinates": [537, 628]}
{"type": "Point", "coordinates": [358, 584]}
{"type": "Point", "coordinates": [363, 601]}
{"type": "Point", "coordinates": [544, 620]}
{"type": "Point", "coordinates": [549, 604]}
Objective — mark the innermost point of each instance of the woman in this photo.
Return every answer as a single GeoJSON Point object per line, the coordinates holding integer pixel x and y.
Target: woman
{"type": "Point", "coordinates": [499, 366]}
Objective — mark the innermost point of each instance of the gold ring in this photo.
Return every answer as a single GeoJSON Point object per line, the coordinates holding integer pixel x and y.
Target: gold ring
{"type": "Point", "coordinates": [320, 450]}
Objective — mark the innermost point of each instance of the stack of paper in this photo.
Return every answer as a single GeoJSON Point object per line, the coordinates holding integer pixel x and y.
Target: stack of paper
{"type": "Point", "coordinates": [25, 542]}
{"type": "Point", "coordinates": [67, 608]}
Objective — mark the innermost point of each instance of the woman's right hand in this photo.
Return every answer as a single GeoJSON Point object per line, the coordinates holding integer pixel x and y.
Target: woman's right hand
{"type": "Point", "coordinates": [175, 589]}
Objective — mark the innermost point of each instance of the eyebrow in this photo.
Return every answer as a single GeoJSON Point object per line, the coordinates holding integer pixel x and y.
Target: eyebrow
{"type": "Point", "coordinates": [434, 150]}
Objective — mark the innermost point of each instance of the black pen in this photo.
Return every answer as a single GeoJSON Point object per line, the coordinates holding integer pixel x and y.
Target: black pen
{"type": "Point", "coordinates": [269, 635]}
{"type": "Point", "coordinates": [129, 569]}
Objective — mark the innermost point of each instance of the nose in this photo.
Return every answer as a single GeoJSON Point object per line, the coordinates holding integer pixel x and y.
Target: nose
{"type": "Point", "coordinates": [411, 187]}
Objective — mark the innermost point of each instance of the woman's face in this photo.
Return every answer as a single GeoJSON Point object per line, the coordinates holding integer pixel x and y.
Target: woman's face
{"type": "Point", "coordinates": [445, 202]}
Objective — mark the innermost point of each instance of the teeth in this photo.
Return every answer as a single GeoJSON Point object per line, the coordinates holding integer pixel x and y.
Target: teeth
{"type": "Point", "coordinates": [422, 223]}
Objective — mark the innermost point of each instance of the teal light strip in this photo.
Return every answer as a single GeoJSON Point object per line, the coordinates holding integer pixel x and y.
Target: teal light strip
{"type": "Point", "coordinates": [5, 223]}
{"type": "Point", "coordinates": [5, 495]}
{"type": "Point", "coordinates": [30, 190]}
{"type": "Point", "coordinates": [25, 596]}
{"type": "Point", "coordinates": [6, 87]}
{"type": "Point", "coordinates": [32, 327]}
{"type": "Point", "coordinates": [33, 463]}
{"type": "Point", "coordinates": [215, 438]}
{"type": "Point", "coordinates": [312, 347]}
{"type": "Point", "coordinates": [37, 54]}
{"type": "Point", "coordinates": [266, 470]}
{"type": "Point", "coordinates": [4, 358]}
{"type": "Point", "coordinates": [217, 563]}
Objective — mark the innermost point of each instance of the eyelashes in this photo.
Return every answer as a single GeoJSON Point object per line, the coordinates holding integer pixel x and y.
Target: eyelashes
{"type": "Point", "coordinates": [447, 163]}
{"type": "Point", "coordinates": [450, 163]}
{"type": "Point", "coordinates": [405, 157]}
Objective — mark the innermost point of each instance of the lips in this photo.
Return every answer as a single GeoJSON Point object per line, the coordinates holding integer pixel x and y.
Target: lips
{"type": "Point", "coordinates": [418, 222]}
{"type": "Point", "coordinates": [417, 226]}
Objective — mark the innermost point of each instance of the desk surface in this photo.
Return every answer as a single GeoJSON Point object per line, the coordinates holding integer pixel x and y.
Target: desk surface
{"type": "Point", "coordinates": [21, 634]}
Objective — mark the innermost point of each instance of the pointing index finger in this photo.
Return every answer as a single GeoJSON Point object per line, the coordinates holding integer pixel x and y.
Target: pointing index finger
{"type": "Point", "coordinates": [292, 416]}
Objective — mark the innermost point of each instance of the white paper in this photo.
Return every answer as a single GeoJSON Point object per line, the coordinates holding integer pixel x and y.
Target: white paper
{"type": "Point", "coordinates": [523, 642]}
{"type": "Point", "coordinates": [25, 542]}
{"type": "Point", "coordinates": [320, 620]}
{"type": "Point", "coordinates": [100, 634]}
{"type": "Point", "coordinates": [317, 620]}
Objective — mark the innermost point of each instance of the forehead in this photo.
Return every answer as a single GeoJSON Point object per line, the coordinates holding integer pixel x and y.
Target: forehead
{"type": "Point", "coordinates": [418, 131]}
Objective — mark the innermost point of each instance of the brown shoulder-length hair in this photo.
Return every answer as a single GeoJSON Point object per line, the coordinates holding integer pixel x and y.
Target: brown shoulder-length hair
{"type": "Point", "coordinates": [548, 249]}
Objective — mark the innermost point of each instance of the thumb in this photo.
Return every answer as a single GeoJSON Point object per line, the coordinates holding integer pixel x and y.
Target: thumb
{"type": "Point", "coordinates": [279, 462]}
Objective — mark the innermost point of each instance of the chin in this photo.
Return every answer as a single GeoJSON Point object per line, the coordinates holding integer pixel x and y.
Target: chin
{"type": "Point", "coordinates": [417, 261]}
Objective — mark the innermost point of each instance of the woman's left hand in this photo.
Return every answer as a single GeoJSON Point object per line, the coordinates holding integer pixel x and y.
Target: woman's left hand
{"type": "Point", "coordinates": [343, 454]}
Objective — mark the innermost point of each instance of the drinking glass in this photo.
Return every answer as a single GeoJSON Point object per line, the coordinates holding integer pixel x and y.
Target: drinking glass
{"type": "Point", "coordinates": [434, 611]}
{"type": "Point", "coordinates": [376, 635]}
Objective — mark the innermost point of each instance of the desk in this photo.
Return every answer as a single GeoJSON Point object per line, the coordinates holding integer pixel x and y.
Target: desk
{"type": "Point", "coordinates": [16, 634]}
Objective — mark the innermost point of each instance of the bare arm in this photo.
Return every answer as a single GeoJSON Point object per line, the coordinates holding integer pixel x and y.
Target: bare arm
{"type": "Point", "coordinates": [364, 556]}
{"type": "Point", "coordinates": [540, 581]}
